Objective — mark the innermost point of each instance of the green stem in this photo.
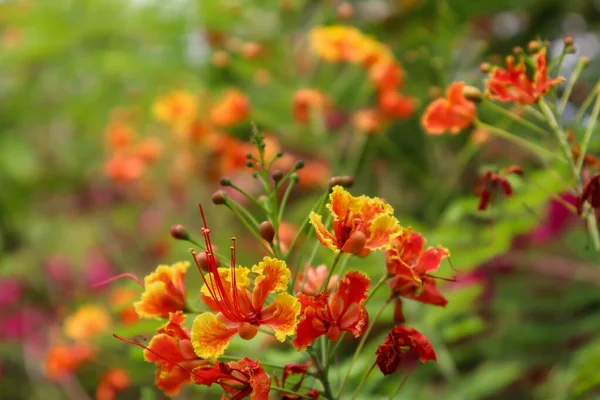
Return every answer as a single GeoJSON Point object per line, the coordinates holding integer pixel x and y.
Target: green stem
{"type": "Point", "coordinates": [325, 283]}
{"type": "Point", "coordinates": [586, 103]}
{"type": "Point", "coordinates": [592, 224]}
{"type": "Point", "coordinates": [363, 340]}
{"type": "Point", "coordinates": [395, 392]}
{"type": "Point", "coordinates": [282, 390]}
{"type": "Point", "coordinates": [247, 195]}
{"type": "Point", "coordinates": [316, 208]}
{"type": "Point", "coordinates": [362, 381]}
{"type": "Point", "coordinates": [588, 134]}
{"type": "Point", "coordinates": [284, 200]}
{"type": "Point", "coordinates": [534, 148]}
{"type": "Point", "coordinates": [572, 80]}
{"type": "Point", "coordinates": [515, 117]}
{"type": "Point", "coordinates": [253, 231]}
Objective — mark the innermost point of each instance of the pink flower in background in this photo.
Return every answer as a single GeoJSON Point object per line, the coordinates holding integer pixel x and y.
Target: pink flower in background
{"type": "Point", "coordinates": [99, 268]}
{"type": "Point", "coordinates": [58, 268]}
{"type": "Point", "coordinates": [10, 291]}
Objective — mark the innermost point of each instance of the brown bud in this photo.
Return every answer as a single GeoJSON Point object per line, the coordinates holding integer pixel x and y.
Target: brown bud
{"type": "Point", "coordinates": [355, 243]}
{"type": "Point", "coordinates": [220, 59]}
{"type": "Point", "coordinates": [345, 181]}
{"type": "Point", "coordinates": [568, 41]}
{"type": "Point", "coordinates": [202, 260]}
{"type": "Point", "coordinates": [345, 10]}
{"type": "Point", "coordinates": [219, 197]}
{"type": "Point", "coordinates": [485, 67]}
{"type": "Point", "coordinates": [570, 49]}
{"type": "Point", "coordinates": [472, 93]}
{"type": "Point", "coordinates": [277, 175]}
{"type": "Point", "coordinates": [247, 331]}
{"type": "Point", "coordinates": [179, 232]}
{"type": "Point", "coordinates": [266, 231]}
{"type": "Point", "coordinates": [518, 50]}
{"type": "Point", "coordinates": [534, 46]}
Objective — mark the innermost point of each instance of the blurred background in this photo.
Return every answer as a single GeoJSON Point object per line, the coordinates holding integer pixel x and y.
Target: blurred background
{"type": "Point", "coordinates": [80, 80]}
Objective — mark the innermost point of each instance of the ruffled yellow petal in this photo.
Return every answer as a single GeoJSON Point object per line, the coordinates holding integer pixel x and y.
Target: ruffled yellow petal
{"type": "Point", "coordinates": [370, 208]}
{"type": "Point", "coordinates": [384, 230]}
{"type": "Point", "coordinates": [340, 202]}
{"type": "Point", "coordinates": [273, 275]}
{"type": "Point", "coordinates": [326, 238]}
{"type": "Point", "coordinates": [282, 315]}
{"type": "Point", "coordinates": [241, 280]}
{"type": "Point", "coordinates": [210, 336]}
{"type": "Point", "coordinates": [166, 273]}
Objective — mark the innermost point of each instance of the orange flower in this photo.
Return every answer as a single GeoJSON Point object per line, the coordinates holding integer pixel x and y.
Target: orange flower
{"type": "Point", "coordinates": [330, 315]}
{"type": "Point", "coordinates": [312, 278]}
{"type": "Point", "coordinates": [240, 309]}
{"type": "Point", "coordinates": [237, 378]}
{"type": "Point", "coordinates": [164, 291]}
{"type": "Point", "coordinates": [121, 299]}
{"type": "Point", "coordinates": [232, 108]}
{"type": "Point", "coordinates": [360, 224]}
{"type": "Point", "coordinates": [178, 108]}
{"type": "Point", "coordinates": [403, 346]}
{"type": "Point", "coordinates": [452, 114]}
{"type": "Point", "coordinates": [124, 168]}
{"type": "Point", "coordinates": [368, 121]}
{"type": "Point", "coordinates": [149, 150]}
{"type": "Point", "coordinates": [88, 321]}
{"type": "Point", "coordinates": [308, 100]}
{"type": "Point", "coordinates": [387, 76]}
{"type": "Point", "coordinates": [119, 134]}
{"type": "Point", "coordinates": [314, 174]}
{"type": "Point", "coordinates": [111, 382]}
{"type": "Point", "coordinates": [62, 361]}
{"type": "Point", "coordinates": [395, 104]}
{"type": "Point", "coordinates": [514, 85]}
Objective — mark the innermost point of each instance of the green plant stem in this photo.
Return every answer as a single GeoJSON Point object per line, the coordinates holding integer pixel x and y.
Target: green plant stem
{"type": "Point", "coordinates": [592, 224]}
{"type": "Point", "coordinates": [282, 390]}
{"type": "Point", "coordinates": [247, 195]}
{"type": "Point", "coordinates": [316, 208]}
{"type": "Point", "coordinates": [525, 123]}
{"type": "Point", "coordinates": [284, 200]}
{"type": "Point", "coordinates": [325, 283]}
{"type": "Point", "coordinates": [362, 381]}
{"type": "Point", "coordinates": [253, 231]}
{"type": "Point", "coordinates": [361, 344]}
{"type": "Point", "coordinates": [588, 134]}
{"type": "Point", "coordinates": [323, 377]}
{"type": "Point", "coordinates": [534, 148]}
{"type": "Point", "coordinates": [395, 392]}
{"type": "Point", "coordinates": [586, 103]}
{"type": "Point", "coordinates": [572, 80]}
{"type": "Point", "coordinates": [361, 156]}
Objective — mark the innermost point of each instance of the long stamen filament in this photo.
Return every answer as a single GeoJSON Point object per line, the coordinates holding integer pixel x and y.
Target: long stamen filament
{"type": "Point", "coordinates": [114, 278]}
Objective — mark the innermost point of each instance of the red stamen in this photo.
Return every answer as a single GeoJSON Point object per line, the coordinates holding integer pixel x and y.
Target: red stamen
{"type": "Point", "coordinates": [114, 278]}
{"type": "Point", "coordinates": [443, 279]}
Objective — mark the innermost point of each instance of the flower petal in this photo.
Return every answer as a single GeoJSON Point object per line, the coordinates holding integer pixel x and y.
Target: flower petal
{"type": "Point", "coordinates": [273, 276]}
{"type": "Point", "coordinates": [241, 281]}
{"type": "Point", "coordinates": [210, 336]}
{"type": "Point", "coordinates": [353, 288]}
{"type": "Point", "coordinates": [339, 203]}
{"type": "Point", "coordinates": [282, 315]}
{"type": "Point", "coordinates": [326, 238]}
{"type": "Point", "coordinates": [383, 231]}
{"type": "Point", "coordinates": [306, 333]}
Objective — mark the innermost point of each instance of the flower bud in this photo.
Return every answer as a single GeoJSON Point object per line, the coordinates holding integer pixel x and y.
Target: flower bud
{"type": "Point", "coordinates": [517, 50]}
{"type": "Point", "coordinates": [277, 175]}
{"type": "Point", "coordinates": [220, 59]}
{"type": "Point", "coordinates": [345, 181]}
{"type": "Point", "coordinates": [219, 197]}
{"type": "Point", "coordinates": [225, 181]}
{"type": "Point", "coordinates": [249, 164]}
{"type": "Point", "coordinates": [249, 156]}
{"type": "Point", "coordinates": [179, 232]}
{"type": "Point", "coordinates": [568, 41]}
{"type": "Point", "coordinates": [279, 154]}
{"type": "Point", "coordinates": [585, 61]}
{"type": "Point", "coordinates": [266, 231]}
{"type": "Point", "coordinates": [570, 49]}
{"type": "Point", "coordinates": [534, 46]}
{"type": "Point", "coordinates": [202, 259]}
{"type": "Point", "coordinates": [295, 178]}
{"type": "Point", "coordinates": [345, 10]}
{"type": "Point", "coordinates": [299, 165]}
{"type": "Point", "coordinates": [485, 67]}
{"type": "Point", "coordinates": [247, 331]}
{"type": "Point", "coordinates": [472, 93]}
{"type": "Point", "coordinates": [355, 243]}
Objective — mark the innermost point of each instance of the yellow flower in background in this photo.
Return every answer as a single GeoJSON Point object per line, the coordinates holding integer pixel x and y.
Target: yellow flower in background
{"type": "Point", "coordinates": [178, 108]}
{"type": "Point", "coordinates": [88, 321]}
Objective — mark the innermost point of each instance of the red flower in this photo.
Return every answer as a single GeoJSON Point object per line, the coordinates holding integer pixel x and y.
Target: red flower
{"type": "Point", "coordinates": [395, 104]}
{"type": "Point", "coordinates": [111, 382]}
{"type": "Point", "coordinates": [590, 194]}
{"type": "Point", "coordinates": [403, 345]}
{"type": "Point", "coordinates": [514, 85]}
{"type": "Point", "coordinates": [452, 114]}
{"type": "Point", "coordinates": [296, 369]}
{"type": "Point", "coordinates": [237, 378]}
{"type": "Point", "coordinates": [410, 265]}
{"type": "Point", "coordinates": [164, 291]}
{"type": "Point", "coordinates": [343, 310]}
{"type": "Point", "coordinates": [490, 182]}
{"type": "Point", "coordinates": [172, 352]}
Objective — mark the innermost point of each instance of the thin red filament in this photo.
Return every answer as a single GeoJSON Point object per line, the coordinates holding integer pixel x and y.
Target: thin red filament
{"type": "Point", "coordinates": [114, 278]}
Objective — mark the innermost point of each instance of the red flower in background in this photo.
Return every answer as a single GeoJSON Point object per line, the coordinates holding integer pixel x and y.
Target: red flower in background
{"type": "Point", "coordinates": [237, 378]}
{"type": "Point", "coordinates": [403, 345]}
{"type": "Point", "coordinates": [590, 194]}
{"type": "Point", "coordinates": [452, 114]}
{"type": "Point", "coordinates": [111, 382]}
{"type": "Point", "coordinates": [514, 85]}
{"type": "Point", "coordinates": [488, 184]}
{"type": "Point", "coordinates": [296, 369]}
{"type": "Point", "coordinates": [329, 315]}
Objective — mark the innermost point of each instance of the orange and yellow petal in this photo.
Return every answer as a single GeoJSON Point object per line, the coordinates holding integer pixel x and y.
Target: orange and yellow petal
{"type": "Point", "coordinates": [326, 238]}
{"type": "Point", "coordinates": [307, 331]}
{"type": "Point", "coordinates": [241, 280]}
{"type": "Point", "coordinates": [369, 208]}
{"type": "Point", "coordinates": [165, 273]}
{"type": "Point", "coordinates": [88, 321]}
{"type": "Point", "coordinates": [210, 336]}
{"type": "Point", "coordinates": [340, 202]}
{"type": "Point", "coordinates": [383, 231]}
{"type": "Point", "coordinates": [273, 276]}
{"type": "Point", "coordinates": [282, 315]}
{"type": "Point", "coordinates": [177, 107]}
{"type": "Point", "coordinates": [157, 303]}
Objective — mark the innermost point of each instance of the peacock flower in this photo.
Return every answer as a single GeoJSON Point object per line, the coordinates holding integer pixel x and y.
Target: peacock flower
{"type": "Point", "coordinates": [87, 322]}
{"type": "Point", "coordinates": [451, 114]}
{"type": "Point", "coordinates": [360, 224]}
{"type": "Point", "coordinates": [403, 346]}
{"type": "Point", "coordinates": [240, 306]}
{"type": "Point", "coordinates": [330, 315]}
{"type": "Point", "coordinates": [237, 378]}
{"type": "Point", "coordinates": [231, 109]}
{"type": "Point", "coordinates": [394, 104]}
{"type": "Point", "coordinates": [387, 76]}
{"type": "Point", "coordinates": [513, 83]}
{"type": "Point", "coordinates": [62, 361]}
{"type": "Point", "coordinates": [164, 292]}
{"type": "Point", "coordinates": [177, 109]}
